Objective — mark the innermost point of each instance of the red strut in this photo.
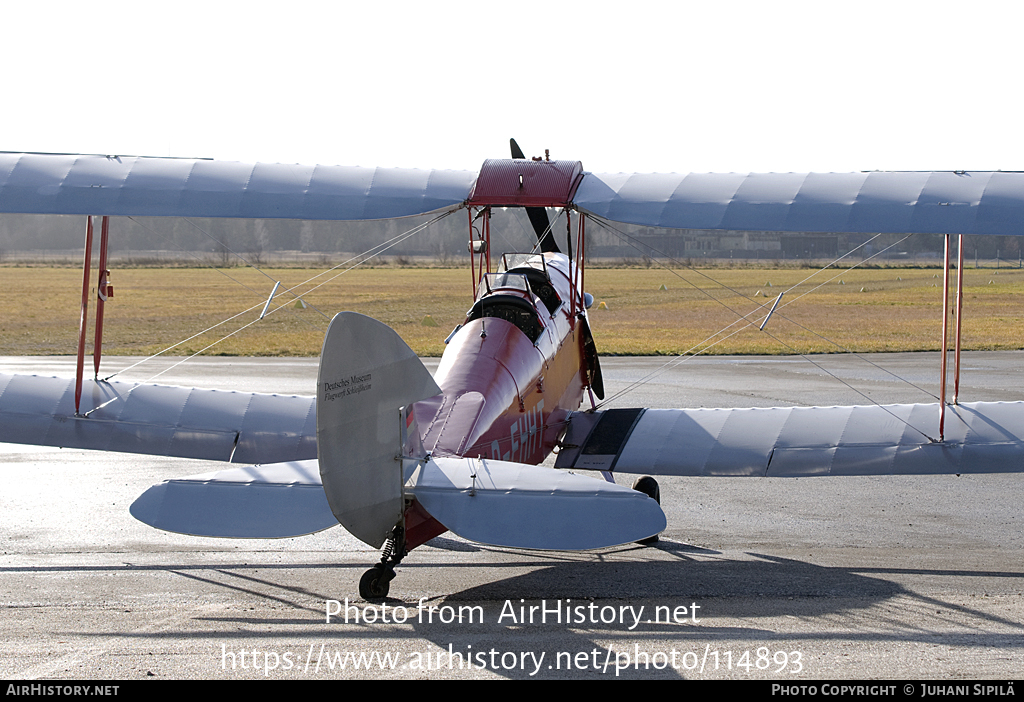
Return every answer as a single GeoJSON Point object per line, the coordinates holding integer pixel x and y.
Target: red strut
{"type": "Point", "coordinates": [103, 291]}
{"type": "Point", "coordinates": [85, 309]}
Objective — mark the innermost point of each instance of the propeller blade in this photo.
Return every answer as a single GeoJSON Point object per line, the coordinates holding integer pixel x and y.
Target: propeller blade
{"type": "Point", "coordinates": [516, 151]}
{"type": "Point", "coordinates": [541, 224]}
{"type": "Point", "coordinates": [538, 215]}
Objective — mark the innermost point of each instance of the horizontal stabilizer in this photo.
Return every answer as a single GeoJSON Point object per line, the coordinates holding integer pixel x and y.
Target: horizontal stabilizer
{"type": "Point", "coordinates": [980, 437]}
{"type": "Point", "coordinates": [521, 506]}
{"type": "Point", "coordinates": [255, 502]}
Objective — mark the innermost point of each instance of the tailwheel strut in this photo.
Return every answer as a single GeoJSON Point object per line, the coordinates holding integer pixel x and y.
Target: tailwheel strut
{"type": "Point", "coordinates": [376, 582]}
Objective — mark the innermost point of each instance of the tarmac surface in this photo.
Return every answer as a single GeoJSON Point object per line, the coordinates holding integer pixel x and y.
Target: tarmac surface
{"type": "Point", "coordinates": [780, 579]}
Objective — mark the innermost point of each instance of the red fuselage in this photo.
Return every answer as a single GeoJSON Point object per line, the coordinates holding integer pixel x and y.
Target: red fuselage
{"type": "Point", "coordinates": [506, 395]}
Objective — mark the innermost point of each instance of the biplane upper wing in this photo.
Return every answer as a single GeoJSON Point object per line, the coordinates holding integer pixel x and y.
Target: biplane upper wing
{"type": "Point", "coordinates": [791, 441]}
{"type": "Point", "coordinates": [939, 202]}
{"type": "Point", "coordinates": [179, 187]}
{"type": "Point", "coordinates": [958, 202]}
{"type": "Point", "coordinates": [979, 437]}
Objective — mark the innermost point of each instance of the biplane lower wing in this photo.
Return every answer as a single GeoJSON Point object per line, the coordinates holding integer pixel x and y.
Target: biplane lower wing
{"type": "Point", "coordinates": [157, 420]}
{"type": "Point", "coordinates": [981, 437]}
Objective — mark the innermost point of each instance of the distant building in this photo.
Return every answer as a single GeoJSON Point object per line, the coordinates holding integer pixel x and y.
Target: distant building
{"type": "Point", "coordinates": [712, 243]}
{"type": "Point", "coordinates": [814, 246]}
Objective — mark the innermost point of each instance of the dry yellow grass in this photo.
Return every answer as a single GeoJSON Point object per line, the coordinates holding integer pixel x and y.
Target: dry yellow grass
{"type": "Point", "coordinates": [860, 310]}
{"type": "Point", "coordinates": [874, 310]}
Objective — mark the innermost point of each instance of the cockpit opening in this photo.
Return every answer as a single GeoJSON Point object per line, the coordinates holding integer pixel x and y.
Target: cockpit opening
{"type": "Point", "coordinates": [541, 286]}
{"type": "Point", "coordinates": [512, 309]}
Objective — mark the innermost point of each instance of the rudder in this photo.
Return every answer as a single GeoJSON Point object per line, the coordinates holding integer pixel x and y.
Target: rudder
{"type": "Point", "coordinates": [366, 374]}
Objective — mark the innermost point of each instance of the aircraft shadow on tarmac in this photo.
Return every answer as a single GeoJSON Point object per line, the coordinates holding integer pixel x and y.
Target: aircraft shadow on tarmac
{"type": "Point", "coordinates": [712, 575]}
{"type": "Point", "coordinates": [751, 588]}
{"type": "Point", "coordinates": [764, 586]}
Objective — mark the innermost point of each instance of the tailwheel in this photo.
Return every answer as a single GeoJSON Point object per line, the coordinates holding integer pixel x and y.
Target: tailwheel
{"type": "Point", "coordinates": [648, 486]}
{"type": "Point", "coordinates": [376, 582]}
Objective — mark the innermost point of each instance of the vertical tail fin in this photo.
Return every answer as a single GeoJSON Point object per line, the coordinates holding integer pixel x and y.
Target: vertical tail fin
{"type": "Point", "coordinates": [366, 374]}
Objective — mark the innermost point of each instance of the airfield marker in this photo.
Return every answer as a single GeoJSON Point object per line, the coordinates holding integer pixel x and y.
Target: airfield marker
{"type": "Point", "coordinates": [771, 311]}
{"type": "Point", "coordinates": [272, 293]}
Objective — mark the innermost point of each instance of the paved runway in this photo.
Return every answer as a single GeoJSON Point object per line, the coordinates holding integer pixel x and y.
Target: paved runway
{"type": "Point", "coordinates": [889, 577]}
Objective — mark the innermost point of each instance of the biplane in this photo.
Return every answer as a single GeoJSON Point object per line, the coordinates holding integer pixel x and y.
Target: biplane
{"type": "Point", "coordinates": [398, 456]}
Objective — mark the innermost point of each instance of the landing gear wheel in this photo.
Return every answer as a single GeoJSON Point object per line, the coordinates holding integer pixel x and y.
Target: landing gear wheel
{"type": "Point", "coordinates": [648, 486]}
{"type": "Point", "coordinates": [375, 583]}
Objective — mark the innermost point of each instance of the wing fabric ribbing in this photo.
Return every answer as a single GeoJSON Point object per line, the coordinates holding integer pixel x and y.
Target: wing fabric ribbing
{"type": "Point", "coordinates": [158, 420]}
{"type": "Point", "coordinates": [981, 437]}
{"type": "Point", "coordinates": [955, 202]}
{"type": "Point", "coordinates": [939, 202]}
{"type": "Point", "coordinates": [173, 187]}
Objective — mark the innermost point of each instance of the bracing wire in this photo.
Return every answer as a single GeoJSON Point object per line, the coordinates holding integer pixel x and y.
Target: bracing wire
{"type": "Point", "coordinates": [359, 259]}
{"type": "Point", "coordinates": [219, 270]}
{"type": "Point", "coordinates": [746, 320]}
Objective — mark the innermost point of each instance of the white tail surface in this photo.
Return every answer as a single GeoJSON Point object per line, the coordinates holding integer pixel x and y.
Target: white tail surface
{"type": "Point", "coordinates": [523, 506]}
{"type": "Point", "coordinates": [255, 502]}
{"type": "Point", "coordinates": [366, 374]}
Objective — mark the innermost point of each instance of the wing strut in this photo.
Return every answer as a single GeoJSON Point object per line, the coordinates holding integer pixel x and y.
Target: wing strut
{"type": "Point", "coordinates": [85, 311]}
{"type": "Point", "coordinates": [959, 313]}
{"type": "Point", "coordinates": [103, 291]}
{"type": "Point", "coordinates": [945, 327]}
{"type": "Point", "coordinates": [945, 330]}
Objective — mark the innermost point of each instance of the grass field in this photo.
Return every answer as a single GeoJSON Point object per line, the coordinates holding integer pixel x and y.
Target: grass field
{"type": "Point", "coordinates": [884, 309]}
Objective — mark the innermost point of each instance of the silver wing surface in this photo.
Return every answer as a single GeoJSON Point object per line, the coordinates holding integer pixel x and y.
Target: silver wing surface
{"type": "Point", "coordinates": [939, 202]}
{"type": "Point", "coordinates": [158, 420]}
{"type": "Point", "coordinates": [980, 437]}
{"type": "Point", "coordinates": [177, 187]}
{"type": "Point", "coordinates": [958, 202]}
